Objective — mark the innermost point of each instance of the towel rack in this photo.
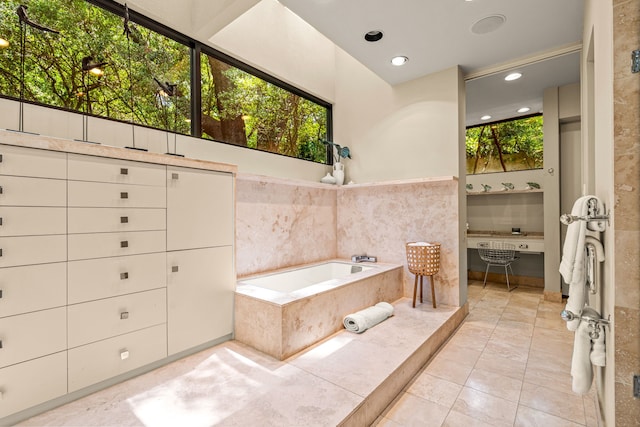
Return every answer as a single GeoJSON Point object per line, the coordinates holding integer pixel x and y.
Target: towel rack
{"type": "Point", "coordinates": [592, 268]}
{"type": "Point", "coordinates": [593, 321]}
{"type": "Point", "coordinates": [592, 207]}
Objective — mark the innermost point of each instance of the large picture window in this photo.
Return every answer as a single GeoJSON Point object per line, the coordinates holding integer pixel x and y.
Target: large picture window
{"type": "Point", "coordinates": [144, 75]}
{"type": "Point", "coordinates": [505, 146]}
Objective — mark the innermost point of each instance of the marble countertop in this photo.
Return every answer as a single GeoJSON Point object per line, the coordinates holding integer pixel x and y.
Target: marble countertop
{"type": "Point", "coordinates": [28, 140]}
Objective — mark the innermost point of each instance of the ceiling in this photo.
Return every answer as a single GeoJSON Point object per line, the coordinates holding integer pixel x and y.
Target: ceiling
{"type": "Point", "coordinates": [541, 39]}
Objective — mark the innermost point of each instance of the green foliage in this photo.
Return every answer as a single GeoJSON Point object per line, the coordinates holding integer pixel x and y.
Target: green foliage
{"type": "Point", "coordinates": [506, 146]}
{"type": "Point", "coordinates": [237, 107]}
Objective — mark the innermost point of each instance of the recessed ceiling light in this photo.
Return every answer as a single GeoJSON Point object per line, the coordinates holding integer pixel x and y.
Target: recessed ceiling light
{"type": "Point", "coordinates": [513, 76]}
{"type": "Point", "coordinates": [399, 60]}
{"type": "Point", "coordinates": [485, 117]}
{"type": "Point", "coordinates": [523, 109]}
{"type": "Point", "coordinates": [373, 36]}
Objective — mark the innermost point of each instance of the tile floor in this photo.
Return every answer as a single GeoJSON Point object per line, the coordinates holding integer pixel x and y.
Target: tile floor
{"type": "Point", "coordinates": [507, 365]}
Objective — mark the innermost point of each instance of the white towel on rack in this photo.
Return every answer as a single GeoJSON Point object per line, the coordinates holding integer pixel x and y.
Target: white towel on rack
{"type": "Point", "coordinates": [598, 350]}
{"type": "Point", "coordinates": [572, 266]}
{"type": "Point", "coordinates": [581, 368]}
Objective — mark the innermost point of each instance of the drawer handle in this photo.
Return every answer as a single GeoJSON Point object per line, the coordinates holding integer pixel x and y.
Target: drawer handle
{"type": "Point", "coordinates": [1, 191]}
{"type": "Point", "coordinates": [175, 269]}
{"type": "Point", "coordinates": [0, 251]}
{"type": "Point", "coordinates": [175, 176]}
{"type": "Point", "coordinates": [0, 343]}
{"type": "Point", "coordinates": [0, 158]}
{"type": "Point", "coordinates": [124, 244]}
{"type": "Point", "coordinates": [0, 293]}
{"type": "Point", "coordinates": [124, 276]}
{"type": "Point", "coordinates": [123, 220]}
{"type": "Point", "coordinates": [124, 315]}
{"type": "Point", "coordinates": [124, 171]}
{"type": "Point", "coordinates": [124, 354]}
{"type": "Point", "coordinates": [0, 220]}
{"type": "Point", "coordinates": [124, 195]}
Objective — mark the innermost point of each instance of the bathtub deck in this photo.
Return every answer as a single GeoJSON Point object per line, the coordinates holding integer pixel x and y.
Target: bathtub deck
{"type": "Point", "coordinates": [347, 379]}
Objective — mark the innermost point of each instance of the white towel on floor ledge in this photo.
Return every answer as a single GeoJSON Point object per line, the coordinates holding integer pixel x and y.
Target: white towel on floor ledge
{"type": "Point", "coordinates": [364, 319]}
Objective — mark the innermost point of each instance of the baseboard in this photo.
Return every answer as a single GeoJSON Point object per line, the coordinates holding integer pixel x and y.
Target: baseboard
{"type": "Point", "coordinates": [535, 282]}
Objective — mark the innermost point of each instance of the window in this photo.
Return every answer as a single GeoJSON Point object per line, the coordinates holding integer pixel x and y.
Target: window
{"type": "Point", "coordinates": [146, 78]}
{"type": "Point", "coordinates": [505, 146]}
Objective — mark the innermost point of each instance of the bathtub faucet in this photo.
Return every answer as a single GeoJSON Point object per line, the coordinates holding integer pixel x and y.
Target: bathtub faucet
{"type": "Point", "coordinates": [363, 258]}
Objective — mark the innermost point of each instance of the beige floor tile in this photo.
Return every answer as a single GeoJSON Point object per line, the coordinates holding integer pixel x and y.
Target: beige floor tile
{"type": "Point", "coordinates": [502, 365]}
{"type": "Point", "coordinates": [448, 370]}
{"type": "Point", "coordinates": [560, 381]}
{"type": "Point", "coordinates": [410, 410]}
{"type": "Point", "coordinates": [495, 384]}
{"type": "Point", "coordinates": [385, 422]}
{"type": "Point", "coordinates": [435, 389]}
{"type": "Point", "coordinates": [551, 323]}
{"type": "Point", "coordinates": [565, 405]}
{"type": "Point", "coordinates": [486, 408]}
{"type": "Point", "coordinates": [457, 419]}
{"type": "Point", "coordinates": [529, 417]}
{"type": "Point", "coordinates": [509, 349]}
{"type": "Point", "coordinates": [470, 341]}
{"type": "Point", "coordinates": [511, 327]}
{"type": "Point", "coordinates": [453, 351]}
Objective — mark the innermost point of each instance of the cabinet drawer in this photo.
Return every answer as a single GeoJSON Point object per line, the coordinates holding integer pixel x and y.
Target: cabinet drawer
{"type": "Point", "coordinates": [101, 195]}
{"type": "Point", "coordinates": [99, 220]}
{"type": "Point", "coordinates": [100, 169]}
{"type": "Point", "coordinates": [19, 191]}
{"type": "Point", "coordinates": [97, 320]}
{"type": "Point", "coordinates": [21, 161]}
{"type": "Point", "coordinates": [30, 383]}
{"type": "Point", "coordinates": [33, 287]}
{"type": "Point", "coordinates": [100, 245]}
{"type": "Point", "coordinates": [27, 336]}
{"type": "Point", "coordinates": [199, 208]}
{"type": "Point", "coordinates": [107, 277]}
{"type": "Point", "coordinates": [32, 221]}
{"type": "Point", "coordinates": [101, 360]}
{"type": "Point", "coordinates": [29, 250]}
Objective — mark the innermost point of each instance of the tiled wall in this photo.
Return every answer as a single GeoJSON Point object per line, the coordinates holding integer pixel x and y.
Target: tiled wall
{"type": "Point", "coordinates": [626, 25]}
{"type": "Point", "coordinates": [379, 219]}
{"type": "Point", "coordinates": [282, 223]}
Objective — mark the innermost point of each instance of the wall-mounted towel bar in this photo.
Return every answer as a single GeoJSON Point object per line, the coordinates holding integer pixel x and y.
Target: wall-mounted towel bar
{"type": "Point", "coordinates": [567, 219]}
{"type": "Point", "coordinates": [593, 320]}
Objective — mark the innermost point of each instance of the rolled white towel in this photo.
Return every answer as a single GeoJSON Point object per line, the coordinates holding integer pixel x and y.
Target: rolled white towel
{"type": "Point", "coordinates": [581, 368]}
{"type": "Point", "coordinates": [364, 319]}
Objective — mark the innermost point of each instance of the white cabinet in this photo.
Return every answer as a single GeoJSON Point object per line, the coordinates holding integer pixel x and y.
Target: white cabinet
{"type": "Point", "coordinates": [200, 236]}
{"type": "Point", "coordinates": [106, 265]}
{"type": "Point", "coordinates": [200, 296]}
{"type": "Point", "coordinates": [33, 255]}
{"type": "Point", "coordinates": [199, 209]}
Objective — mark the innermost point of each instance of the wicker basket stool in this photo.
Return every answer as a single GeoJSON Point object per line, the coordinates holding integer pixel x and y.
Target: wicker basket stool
{"type": "Point", "coordinates": [423, 260]}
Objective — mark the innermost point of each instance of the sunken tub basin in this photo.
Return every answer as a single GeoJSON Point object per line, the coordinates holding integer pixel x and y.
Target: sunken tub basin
{"type": "Point", "coordinates": [281, 313]}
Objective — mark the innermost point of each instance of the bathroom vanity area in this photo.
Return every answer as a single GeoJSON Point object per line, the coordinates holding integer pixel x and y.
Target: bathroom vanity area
{"type": "Point", "coordinates": [514, 216]}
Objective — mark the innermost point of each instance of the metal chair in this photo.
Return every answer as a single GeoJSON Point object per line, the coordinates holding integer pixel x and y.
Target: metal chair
{"type": "Point", "coordinates": [498, 254]}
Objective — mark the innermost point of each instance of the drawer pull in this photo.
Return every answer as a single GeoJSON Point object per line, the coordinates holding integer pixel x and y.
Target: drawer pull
{"type": "Point", "coordinates": [0, 343]}
{"type": "Point", "coordinates": [1, 191]}
{"type": "Point", "coordinates": [124, 315]}
{"type": "Point", "coordinates": [0, 251]}
{"type": "Point", "coordinates": [124, 244]}
{"type": "Point", "coordinates": [0, 220]}
{"type": "Point", "coordinates": [175, 176]}
{"type": "Point", "coordinates": [123, 220]}
{"type": "Point", "coordinates": [124, 276]}
{"type": "Point", "coordinates": [175, 269]}
{"type": "Point", "coordinates": [124, 354]}
{"type": "Point", "coordinates": [0, 158]}
{"type": "Point", "coordinates": [124, 195]}
{"type": "Point", "coordinates": [0, 293]}
{"type": "Point", "coordinates": [124, 171]}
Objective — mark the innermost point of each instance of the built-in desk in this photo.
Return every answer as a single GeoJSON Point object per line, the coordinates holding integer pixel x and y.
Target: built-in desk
{"type": "Point", "coordinates": [532, 242]}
